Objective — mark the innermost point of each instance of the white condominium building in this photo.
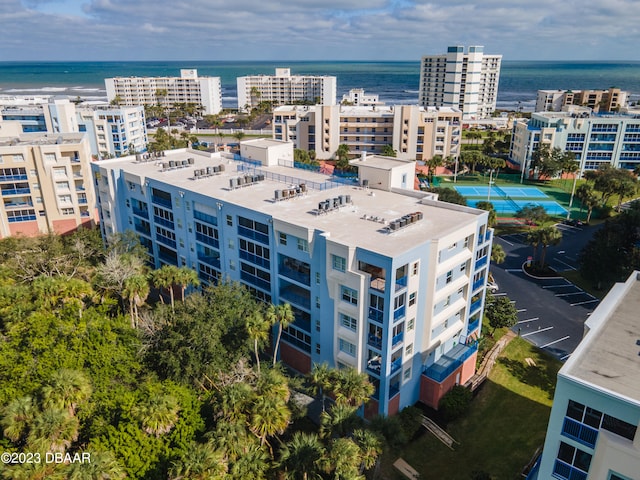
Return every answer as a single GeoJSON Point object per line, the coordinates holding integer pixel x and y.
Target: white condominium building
{"type": "Point", "coordinates": [415, 133]}
{"type": "Point", "coordinates": [593, 428]}
{"type": "Point", "coordinates": [468, 81]}
{"type": "Point", "coordinates": [187, 88]}
{"type": "Point", "coordinates": [284, 88]}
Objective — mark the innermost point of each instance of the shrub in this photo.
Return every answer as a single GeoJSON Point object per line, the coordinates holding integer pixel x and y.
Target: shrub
{"type": "Point", "coordinates": [455, 402]}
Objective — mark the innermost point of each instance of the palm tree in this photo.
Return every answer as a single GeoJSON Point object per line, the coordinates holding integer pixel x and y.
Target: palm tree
{"type": "Point", "coordinates": [388, 151]}
{"type": "Point", "coordinates": [321, 378]}
{"type": "Point", "coordinates": [258, 330]}
{"type": "Point", "coordinates": [136, 291]}
{"type": "Point", "coordinates": [231, 438]}
{"type": "Point", "coordinates": [370, 447]}
{"type": "Point", "coordinates": [53, 430]}
{"type": "Point", "coordinates": [433, 163]}
{"type": "Point", "coordinates": [344, 459]}
{"type": "Point", "coordinates": [269, 417]}
{"type": "Point", "coordinates": [283, 316]}
{"type": "Point", "coordinates": [238, 136]}
{"type": "Point", "coordinates": [352, 388]}
{"type": "Point", "coordinates": [103, 466]}
{"type": "Point", "coordinates": [340, 421]}
{"type": "Point", "coordinates": [488, 206]}
{"type": "Point", "coordinates": [184, 276]}
{"type": "Point", "coordinates": [201, 462]}
{"type": "Point", "coordinates": [550, 235]}
{"type": "Point", "coordinates": [342, 154]}
{"type": "Point", "coordinates": [158, 413]}
{"type": "Point", "coordinates": [498, 254]}
{"type": "Point", "coordinates": [235, 400]}
{"type": "Point", "coordinates": [165, 277]}
{"type": "Point", "coordinates": [254, 463]}
{"type": "Point", "coordinates": [65, 390]}
{"type": "Point", "coordinates": [16, 417]}
{"type": "Point", "coordinates": [301, 458]}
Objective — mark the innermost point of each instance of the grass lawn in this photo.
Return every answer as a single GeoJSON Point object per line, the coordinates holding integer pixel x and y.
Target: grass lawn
{"type": "Point", "coordinates": [506, 423]}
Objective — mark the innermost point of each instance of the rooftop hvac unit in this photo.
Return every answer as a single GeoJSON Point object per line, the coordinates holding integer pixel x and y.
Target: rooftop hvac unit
{"type": "Point", "coordinates": [165, 165]}
{"type": "Point", "coordinates": [163, 153]}
{"type": "Point", "coordinates": [191, 160]}
{"type": "Point", "coordinates": [336, 202]}
{"type": "Point", "coordinates": [420, 215]}
{"type": "Point", "coordinates": [347, 198]}
{"type": "Point", "coordinates": [261, 178]}
{"type": "Point", "coordinates": [184, 163]}
{"type": "Point", "coordinates": [403, 222]}
{"type": "Point", "coordinates": [393, 225]}
{"type": "Point", "coordinates": [172, 163]}
{"type": "Point", "coordinates": [278, 194]}
{"type": "Point", "coordinates": [221, 167]}
{"type": "Point", "coordinates": [303, 187]}
{"type": "Point", "coordinates": [285, 193]}
{"type": "Point", "coordinates": [138, 157]}
{"type": "Point", "coordinates": [240, 181]}
{"type": "Point", "coordinates": [196, 173]}
{"type": "Point", "coordinates": [365, 183]}
{"type": "Point", "coordinates": [209, 170]}
{"type": "Point", "coordinates": [233, 182]}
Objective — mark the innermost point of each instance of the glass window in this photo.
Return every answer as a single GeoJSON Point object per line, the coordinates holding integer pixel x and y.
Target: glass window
{"type": "Point", "coordinates": [347, 347]}
{"type": "Point", "coordinates": [411, 324]}
{"type": "Point", "coordinates": [303, 245]}
{"type": "Point", "coordinates": [414, 268]}
{"type": "Point", "coordinates": [338, 263]}
{"type": "Point", "coordinates": [283, 238]}
{"type": "Point", "coordinates": [412, 299]}
{"type": "Point", "coordinates": [348, 322]}
{"type": "Point", "coordinates": [349, 295]}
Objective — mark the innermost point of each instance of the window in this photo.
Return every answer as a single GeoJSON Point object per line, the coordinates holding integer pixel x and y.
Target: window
{"type": "Point", "coordinates": [303, 245]}
{"type": "Point", "coordinates": [573, 457]}
{"type": "Point", "coordinates": [399, 301]}
{"type": "Point", "coordinates": [407, 374]}
{"type": "Point", "coordinates": [347, 347]}
{"type": "Point", "coordinates": [411, 324]}
{"type": "Point", "coordinates": [348, 322]}
{"type": "Point", "coordinates": [414, 268]}
{"type": "Point", "coordinates": [409, 349]}
{"type": "Point", "coordinates": [412, 299]}
{"type": "Point", "coordinates": [283, 238]}
{"type": "Point", "coordinates": [230, 220]}
{"type": "Point", "coordinates": [318, 348]}
{"type": "Point", "coordinates": [317, 302]}
{"type": "Point", "coordinates": [619, 427]}
{"type": "Point", "coordinates": [18, 157]}
{"type": "Point", "coordinates": [349, 295]}
{"type": "Point", "coordinates": [317, 278]}
{"type": "Point", "coordinates": [449, 276]}
{"type": "Point", "coordinates": [463, 267]}
{"type": "Point", "coordinates": [317, 325]}
{"type": "Point", "coordinates": [338, 263]}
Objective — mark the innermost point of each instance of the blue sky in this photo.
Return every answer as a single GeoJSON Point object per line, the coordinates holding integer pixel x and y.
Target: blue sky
{"type": "Point", "coordinates": [316, 29]}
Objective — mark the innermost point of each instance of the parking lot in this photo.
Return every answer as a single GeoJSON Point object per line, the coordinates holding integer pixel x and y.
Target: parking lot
{"type": "Point", "coordinates": [551, 310]}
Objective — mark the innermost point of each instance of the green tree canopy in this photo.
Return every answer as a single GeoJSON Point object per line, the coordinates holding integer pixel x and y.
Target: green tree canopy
{"type": "Point", "coordinates": [500, 312]}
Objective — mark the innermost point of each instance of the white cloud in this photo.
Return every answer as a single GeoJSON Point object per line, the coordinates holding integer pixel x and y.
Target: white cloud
{"type": "Point", "coordinates": [316, 29]}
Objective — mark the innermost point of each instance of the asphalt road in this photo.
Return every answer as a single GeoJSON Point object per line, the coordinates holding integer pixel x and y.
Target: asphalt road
{"type": "Point", "coordinates": [551, 311]}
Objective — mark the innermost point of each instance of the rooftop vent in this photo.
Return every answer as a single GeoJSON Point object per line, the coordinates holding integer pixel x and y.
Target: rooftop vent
{"type": "Point", "coordinates": [291, 192]}
{"type": "Point", "coordinates": [243, 181]}
{"type": "Point", "coordinates": [332, 204]}
{"type": "Point", "coordinates": [404, 221]}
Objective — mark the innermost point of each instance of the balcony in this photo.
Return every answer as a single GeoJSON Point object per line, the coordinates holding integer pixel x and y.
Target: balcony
{"type": "Point", "coordinates": [374, 365]}
{"type": "Point", "coordinates": [482, 262]}
{"type": "Point", "coordinates": [296, 296]}
{"type": "Point", "coordinates": [255, 259]}
{"type": "Point", "coordinates": [253, 235]}
{"type": "Point", "coordinates": [399, 313]}
{"type": "Point", "coordinates": [375, 342]}
{"type": "Point", "coordinates": [450, 362]}
{"type": "Point", "coordinates": [16, 191]}
{"type": "Point", "coordinates": [166, 241]}
{"type": "Point", "coordinates": [144, 213]}
{"type": "Point", "coordinates": [208, 240]}
{"type": "Point", "coordinates": [13, 178]}
{"type": "Point", "coordinates": [209, 260]}
{"type": "Point", "coordinates": [164, 222]}
{"type": "Point", "coordinates": [298, 273]}
{"type": "Point", "coordinates": [165, 202]}
{"type": "Point", "coordinates": [478, 284]}
{"type": "Point", "coordinates": [567, 472]}
{"type": "Point", "coordinates": [475, 305]}
{"type": "Point", "coordinates": [580, 432]}
{"type": "Point", "coordinates": [397, 339]}
{"type": "Point", "coordinates": [473, 326]}
{"type": "Point", "coordinates": [394, 390]}
{"type": "Point", "coordinates": [401, 283]}
{"type": "Point", "coordinates": [12, 205]}
{"type": "Point", "coordinates": [376, 315]}
{"type": "Point", "coordinates": [396, 365]}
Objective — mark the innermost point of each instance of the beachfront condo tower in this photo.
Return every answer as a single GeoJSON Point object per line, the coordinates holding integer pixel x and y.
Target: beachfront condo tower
{"type": "Point", "coordinates": [381, 277]}
{"type": "Point", "coordinates": [167, 91]}
{"type": "Point", "coordinates": [467, 81]}
{"type": "Point", "coordinates": [284, 89]}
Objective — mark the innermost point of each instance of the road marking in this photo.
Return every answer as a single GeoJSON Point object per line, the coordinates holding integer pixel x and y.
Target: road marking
{"type": "Point", "coordinates": [555, 341]}
{"type": "Point", "coordinates": [582, 303]}
{"type": "Point", "coordinates": [566, 264]}
{"type": "Point", "coordinates": [508, 243]}
{"type": "Point", "coordinates": [512, 301]}
{"type": "Point", "coordinates": [521, 310]}
{"type": "Point", "coordinates": [559, 286]}
{"type": "Point", "coordinates": [529, 320]}
{"type": "Point", "coordinates": [513, 270]}
{"type": "Point", "coordinates": [580, 292]}
{"type": "Point", "coordinates": [499, 294]}
{"type": "Point", "coordinates": [536, 331]}
{"type": "Point", "coordinates": [562, 359]}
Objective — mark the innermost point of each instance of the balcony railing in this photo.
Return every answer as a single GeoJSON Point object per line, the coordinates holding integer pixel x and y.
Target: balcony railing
{"type": "Point", "coordinates": [208, 240]}
{"type": "Point", "coordinates": [375, 342]}
{"type": "Point", "coordinates": [580, 432]}
{"type": "Point", "coordinates": [475, 305]}
{"type": "Point", "coordinates": [165, 202]}
{"type": "Point", "coordinates": [482, 262]}
{"type": "Point", "coordinates": [473, 326]}
{"type": "Point", "coordinates": [164, 222]}
{"type": "Point", "coordinates": [394, 390]}
{"type": "Point", "coordinates": [478, 284]}
{"type": "Point", "coordinates": [566, 471]}
{"type": "Point", "coordinates": [9, 178]}
{"type": "Point", "coordinates": [209, 260]}
{"type": "Point", "coordinates": [399, 312]}
{"type": "Point", "coordinates": [144, 213]}
{"type": "Point", "coordinates": [450, 362]}
{"type": "Point", "coordinates": [290, 294]}
{"type": "Point", "coordinates": [401, 282]}
{"type": "Point", "coordinates": [300, 277]}
{"type": "Point", "coordinates": [165, 241]}
{"type": "Point", "coordinates": [395, 365]}
{"type": "Point", "coordinates": [252, 234]}
{"type": "Point", "coordinates": [397, 339]}
{"type": "Point", "coordinates": [16, 191]}
{"type": "Point", "coordinates": [376, 315]}
{"type": "Point", "coordinates": [255, 259]}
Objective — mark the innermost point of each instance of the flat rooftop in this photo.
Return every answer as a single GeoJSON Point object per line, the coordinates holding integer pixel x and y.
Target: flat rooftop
{"type": "Point", "coordinates": [609, 356]}
{"type": "Point", "coordinates": [361, 223]}
{"type": "Point", "coordinates": [37, 138]}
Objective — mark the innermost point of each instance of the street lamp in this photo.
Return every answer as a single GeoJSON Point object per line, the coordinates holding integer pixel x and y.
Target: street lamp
{"type": "Point", "coordinates": [490, 183]}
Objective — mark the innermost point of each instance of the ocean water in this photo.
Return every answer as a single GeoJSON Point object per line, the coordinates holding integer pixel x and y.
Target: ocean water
{"type": "Point", "coordinates": [395, 82]}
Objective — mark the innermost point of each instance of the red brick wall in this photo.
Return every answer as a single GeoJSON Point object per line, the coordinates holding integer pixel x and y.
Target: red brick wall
{"type": "Point", "coordinates": [295, 358]}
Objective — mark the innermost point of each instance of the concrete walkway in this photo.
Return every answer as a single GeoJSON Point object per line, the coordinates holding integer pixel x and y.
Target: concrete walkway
{"type": "Point", "coordinates": [406, 469]}
{"type": "Point", "coordinates": [489, 361]}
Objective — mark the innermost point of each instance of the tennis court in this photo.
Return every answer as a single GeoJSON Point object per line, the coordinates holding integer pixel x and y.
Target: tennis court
{"type": "Point", "coordinates": [513, 192]}
{"type": "Point", "coordinates": [510, 207]}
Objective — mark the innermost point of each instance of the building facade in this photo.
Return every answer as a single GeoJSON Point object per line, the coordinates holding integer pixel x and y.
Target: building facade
{"type": "Point", "coordinates": [466, 81]}
{"type": "Point", "coordinates": [593, 428]}
{"type": "Point", "coordinates": [380, 277]}
{"type": "Point", "coordinates": [187, 88]}
{"type": "Point", "coordinates": [609, 100]}
{"type": "Point", "coordinates": [595, 139]}
{"type": "Point", "coordinates": [45, 181]}
{"type": "Point", "coordinates": [284, 89]}
{"type": "Point", "coordinates": [415, 133]}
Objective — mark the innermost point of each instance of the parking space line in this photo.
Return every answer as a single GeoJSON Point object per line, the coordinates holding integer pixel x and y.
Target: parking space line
{"type": "Point", "coordinates": [562, 359]}
{"type": "Point", "coordinates": [513, 270]}
{"type": "Point", "coordinates": [555, 341]}
{"type": "Point", "coordinates": [559, 286]}
{"type": "Point", "coordinates": [582, 303]}
{"type": "Point", "coordinates": [537, 331]}
{"type": "Point", "coordinates": [521, 310]}
{"type": "Point", "coordinates": [529, 320]}
{"type": "Point", "coordinates": [580, 292]}
{"type": "Point", "coordinates": [508, 243]}
{"type": "Point", "coordinates": [565, 264]}
{"type": "Point", "coordinates": [499, 294]}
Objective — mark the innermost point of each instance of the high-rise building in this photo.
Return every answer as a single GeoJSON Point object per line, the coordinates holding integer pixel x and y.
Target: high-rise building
{"type": "Point", "coordinates": [595, 139]}
{"type": "Point", "coordinates": [415, 133]}
{"type": "Point", "coordinates": [284, 89]}
{"type": "Point", "coordinates": [167, 91]}
{"type": "Point", "coordinates": [593, 428]}
{"type": "Point", "coordinates": [45, 181]}
{"type": "Point", "coordinates": [380, 277]}
{"type": "Point", "coordinates": [466, 81]}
